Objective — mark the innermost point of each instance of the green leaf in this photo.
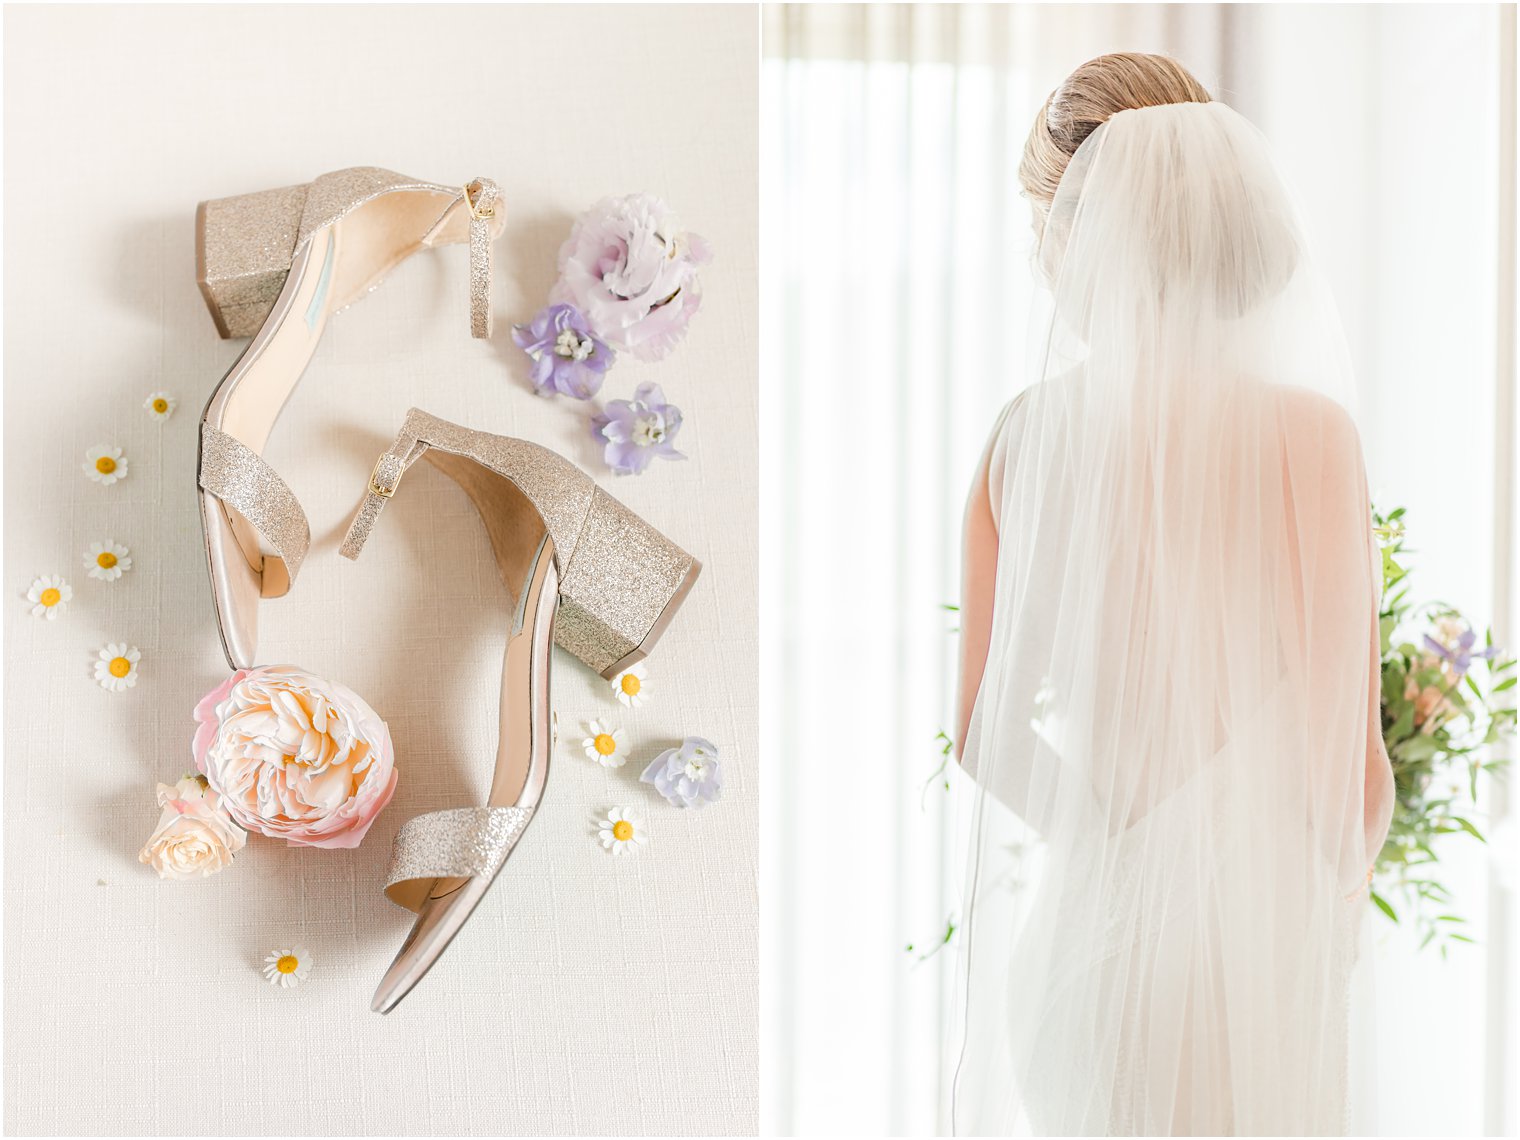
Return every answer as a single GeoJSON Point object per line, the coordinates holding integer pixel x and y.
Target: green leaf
{"type": "Point", "coordinates": [1469, 828]}
{"type": "Point", "coordinates": [1382, 904]}
{"type": "Point", "coordinates": [1507, 683]}
{"type": "Point", "coordinates": [940, 943]}
{"type": "Point", "coordinates": [1404, 725]}
{"type": "Point", "coordinates": [1419, 747]}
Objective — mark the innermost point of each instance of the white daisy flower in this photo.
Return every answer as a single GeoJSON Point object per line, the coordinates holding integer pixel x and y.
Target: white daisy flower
{"type": "Point", "coordinates": [631, 686]}
{"type": "Point", "coordinates": [606, 745]}
{"type": "Point", "coordinates": [116, 667]}
{"type": "Point", "coordinates": [107, 561]}
{"type": "Point", "coordinates": [621, 832]}
{"type": "Point", "coordinates": [49, 596]}
{"type": "Point", "coordinates": [105, 464]}
{"type": "Point", "coordinates": [287, 967]}
{"type": "Point", "coordinates": [160, 406]}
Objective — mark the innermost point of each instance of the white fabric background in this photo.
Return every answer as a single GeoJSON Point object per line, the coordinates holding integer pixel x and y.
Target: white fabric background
{"type": "Point", "coordinates": [588, 995]}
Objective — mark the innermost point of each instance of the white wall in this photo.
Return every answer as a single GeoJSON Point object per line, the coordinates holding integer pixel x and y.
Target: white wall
{"type": "Point", "coordinates": [1386, 119]}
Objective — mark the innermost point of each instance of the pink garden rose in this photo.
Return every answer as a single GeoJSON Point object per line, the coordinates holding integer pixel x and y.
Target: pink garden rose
{"type": "Point", "coordinates": [294, 757]}
{"type": "Point", "coordinates": [632, 272]}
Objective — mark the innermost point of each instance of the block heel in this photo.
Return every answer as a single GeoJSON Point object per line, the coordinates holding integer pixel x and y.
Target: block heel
{"type": "Point", "coordinates": [244, 247]}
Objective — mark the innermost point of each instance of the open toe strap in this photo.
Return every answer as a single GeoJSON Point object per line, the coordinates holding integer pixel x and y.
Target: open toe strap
{"type": "Point", "coordinates": [455, 844]}
{"type": "Point", "coordinates": [239, 477]}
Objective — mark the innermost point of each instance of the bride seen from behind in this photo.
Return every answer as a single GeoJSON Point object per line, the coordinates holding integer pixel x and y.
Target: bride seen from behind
{"type": "Point", "coordinates": [1169, 680]}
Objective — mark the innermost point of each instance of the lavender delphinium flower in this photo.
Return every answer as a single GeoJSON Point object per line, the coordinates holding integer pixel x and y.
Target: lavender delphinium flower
{"type": "Point", "coordinates": [689, 776]}
{"type": "Point", "coordinates": [567, 357]}
{"type": "Point", "coordinates": [637, 430]}
{"type": "Point", "coordinates": [631, 268]}
{"type": "Point", "coordinates": [1460, 653]}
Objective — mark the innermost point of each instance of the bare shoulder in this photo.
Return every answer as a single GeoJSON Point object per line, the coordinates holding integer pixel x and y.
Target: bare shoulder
{"type": "Point", "coordinates": [999, 442]}
{"type": "Point", "coordinates": [1010, 418]}
{"type": "Point", "coordinates": [987, 484]}
{"type": "Point", "coordinates": [1307, 415]}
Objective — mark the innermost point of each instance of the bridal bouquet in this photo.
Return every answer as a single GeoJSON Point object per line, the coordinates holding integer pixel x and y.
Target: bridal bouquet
{"type": "Point", "coordinates": [1443, 710]}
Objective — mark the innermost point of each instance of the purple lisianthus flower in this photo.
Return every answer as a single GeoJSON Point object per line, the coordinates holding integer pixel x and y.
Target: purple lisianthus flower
{"type": "Point", "coordinates": [635, 272]}
{"type": "Point", "coordinates": [1460, 655]}
{"type": "Point", "coordinates": [637, 430]}
{"type": "Point", "coordinates": [566, 356]}
{"type": "Point", "coordinates": [689, 776]}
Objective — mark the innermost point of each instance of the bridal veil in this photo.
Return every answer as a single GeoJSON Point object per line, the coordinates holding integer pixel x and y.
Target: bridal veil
{"type": "Point", "coordinates": [1176, 743]}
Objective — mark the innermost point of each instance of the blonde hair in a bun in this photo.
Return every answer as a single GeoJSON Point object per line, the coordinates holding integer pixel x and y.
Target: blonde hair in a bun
{"type": "Point", "coordinates": [1100, 88]}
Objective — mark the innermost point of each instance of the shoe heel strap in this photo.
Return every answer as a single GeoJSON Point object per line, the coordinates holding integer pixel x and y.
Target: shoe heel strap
{"type": "Point", "coordinates": [383, 481]}
{"type": "Point", "coordinates": [482, 207]}
{"type": "Point", "coordinates": [479, 199]}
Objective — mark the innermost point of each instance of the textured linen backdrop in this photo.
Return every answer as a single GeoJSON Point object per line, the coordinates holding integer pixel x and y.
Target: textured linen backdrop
{"type": "Point", "coordinates": [587, 994]}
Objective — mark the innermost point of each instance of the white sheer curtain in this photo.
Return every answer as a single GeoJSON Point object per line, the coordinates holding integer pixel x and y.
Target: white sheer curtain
{"type": "Point", "coordinates": [895, 290]}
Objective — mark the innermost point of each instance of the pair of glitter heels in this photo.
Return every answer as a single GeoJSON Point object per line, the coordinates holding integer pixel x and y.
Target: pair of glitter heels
{"type": "Point", "coordinates": [580, 568]}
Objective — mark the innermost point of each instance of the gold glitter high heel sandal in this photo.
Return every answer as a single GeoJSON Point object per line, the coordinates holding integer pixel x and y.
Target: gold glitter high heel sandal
{"type": "Point", "coordinates": [275, 266]}
{"type": "Point", "coordinates": [581, 570]}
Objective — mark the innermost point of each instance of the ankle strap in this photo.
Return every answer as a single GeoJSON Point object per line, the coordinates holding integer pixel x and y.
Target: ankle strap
{"type": "Point", "coordinates": [480, 199]}
{"type": "Point", "coordinates": [383, 481]}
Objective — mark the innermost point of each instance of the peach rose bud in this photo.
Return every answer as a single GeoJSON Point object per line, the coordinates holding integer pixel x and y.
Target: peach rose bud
{"type": "Point", "coordinates": [194, 837]}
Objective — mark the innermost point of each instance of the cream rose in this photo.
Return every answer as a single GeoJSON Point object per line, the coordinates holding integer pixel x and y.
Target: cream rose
{"type": "Point", "coordinates": [194, 837]}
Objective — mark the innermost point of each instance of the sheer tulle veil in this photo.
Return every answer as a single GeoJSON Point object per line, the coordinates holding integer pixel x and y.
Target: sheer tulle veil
{"type": "Point", "coordinates": [1176, 743]}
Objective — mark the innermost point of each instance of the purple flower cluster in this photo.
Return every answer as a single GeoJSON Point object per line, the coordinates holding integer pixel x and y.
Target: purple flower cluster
{"type": "Point", "coordinates": [567, 357]}
{"type": "Point", "coordinates": [638, 430]}
{"type": "Point", "coordinates": [689, 776]}
{"type": "Point", "coordinates": [629, 281]}
{"type": "Point", "coordinates": [1460, 656]}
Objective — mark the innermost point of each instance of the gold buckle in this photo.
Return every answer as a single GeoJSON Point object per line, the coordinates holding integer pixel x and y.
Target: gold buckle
{"type": "Point", "coordinates": [374, 481]}
{"type": "Point", "coordinates": [480, 215]}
